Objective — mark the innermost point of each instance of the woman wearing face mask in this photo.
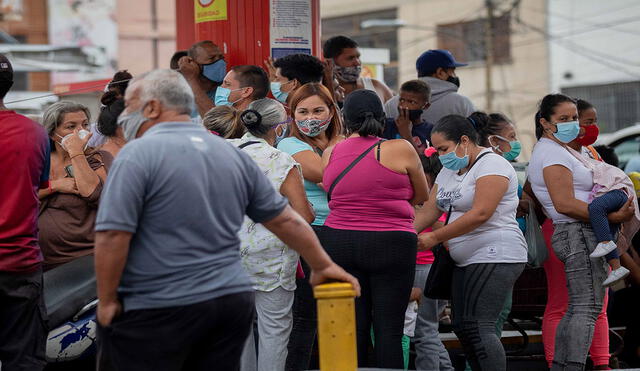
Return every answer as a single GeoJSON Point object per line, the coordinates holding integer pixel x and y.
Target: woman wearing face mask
{"type": "Point", "coordinates": [269, 262]}
{"type": "Point", "coordinates": [495, 131]}
{"type": "Point", "coordinates": [480, 191]}
{"type": "Point", "coordinates": [557, 296]}
{"type": "Point", "coordinates": [68, 207]}
{"type": "Point", "coordinates": [316, 126]}
{"type": "Point", "coordinates": [563, 184]}
{"type": "Point", "coordinates": [589, 131]}
{"type": "Point", "coordinates": [370, 227]}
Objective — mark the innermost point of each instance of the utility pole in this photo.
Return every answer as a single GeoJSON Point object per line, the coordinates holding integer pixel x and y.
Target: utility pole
{"type": "Point", "coordinates": [488, 51]}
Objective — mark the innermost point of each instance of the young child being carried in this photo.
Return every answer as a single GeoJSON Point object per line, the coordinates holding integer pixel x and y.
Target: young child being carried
{"type": "Point", "coordinates": [612, 189]}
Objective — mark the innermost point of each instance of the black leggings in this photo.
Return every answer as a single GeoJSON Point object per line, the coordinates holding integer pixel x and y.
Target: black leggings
{"type": "Point", "coordinates": [478, 295]}
{"type": "Point", "coordinates": [384, 263]}
{"type": "Point", "coordinates": [305, 323]}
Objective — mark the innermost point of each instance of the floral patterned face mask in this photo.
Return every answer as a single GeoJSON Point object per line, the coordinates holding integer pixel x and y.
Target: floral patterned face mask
{"type": "Point", "coordinates": [313, 127]}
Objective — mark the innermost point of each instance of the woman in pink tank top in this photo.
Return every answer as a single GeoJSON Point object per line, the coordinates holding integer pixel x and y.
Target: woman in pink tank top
{"type": "Point", "coordinates": [369, 230]}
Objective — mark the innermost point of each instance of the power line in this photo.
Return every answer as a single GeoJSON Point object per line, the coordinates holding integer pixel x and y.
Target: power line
{"type": "Point", "coordinates": [599, 25]}
{"type": "Point", "coordinates": [581, 50]}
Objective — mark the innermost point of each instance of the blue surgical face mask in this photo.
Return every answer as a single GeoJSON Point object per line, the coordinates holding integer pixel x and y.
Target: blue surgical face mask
{"type": "Point", "coordinates": [215, 71]}
{"type": "Point", "coordinates": [567, 131]}
{"type": "Point", "coordinates": [222, 96]}
{"type": "Point", "coordinates": [452, 162]}
{"type": "Point", "coordinates": [280, 95]}
{"type": "Point", "coordinates": [516, 147]}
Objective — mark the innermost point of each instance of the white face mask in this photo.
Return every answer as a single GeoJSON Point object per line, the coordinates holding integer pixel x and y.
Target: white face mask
{"type": "Point", "coordinates": [82, 134]}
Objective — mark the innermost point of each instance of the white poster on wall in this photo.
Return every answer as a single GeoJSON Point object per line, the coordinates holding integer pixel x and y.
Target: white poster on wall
{"type": "Point", "coordinates": [90, 24]}
{"type": "Point", "coordinates": [290, 27]}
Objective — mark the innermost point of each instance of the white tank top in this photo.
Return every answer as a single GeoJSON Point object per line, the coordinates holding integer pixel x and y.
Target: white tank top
{"type": "Point", "coordinates": [368, 84]}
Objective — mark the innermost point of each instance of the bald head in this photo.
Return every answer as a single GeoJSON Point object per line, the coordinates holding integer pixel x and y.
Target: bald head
{"type": "Point", "coordinates": [205, 52]}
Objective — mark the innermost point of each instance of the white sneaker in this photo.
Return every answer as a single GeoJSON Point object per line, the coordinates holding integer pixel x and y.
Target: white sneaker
{"type": "Point", "coordinates": [615, 276]}
{"type": "Point", "coordinates": [603, 249]}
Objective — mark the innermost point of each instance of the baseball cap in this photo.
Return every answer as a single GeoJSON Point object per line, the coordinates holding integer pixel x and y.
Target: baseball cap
{"type": "Point", "coordinates": [361, 102]}
{"type": "Point", "coordinates": [429, 61]}
{"type": "Point", "coordinates": [6, 70]}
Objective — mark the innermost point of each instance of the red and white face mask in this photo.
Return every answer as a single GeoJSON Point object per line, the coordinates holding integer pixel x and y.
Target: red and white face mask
{"type": "Point", "coordinates": [313, 127]}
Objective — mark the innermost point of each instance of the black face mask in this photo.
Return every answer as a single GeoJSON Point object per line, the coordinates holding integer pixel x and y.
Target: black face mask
{"type": "Point", "coordinates": [454, 80]}
{"type": "Point", "coordinates": [415, 114]}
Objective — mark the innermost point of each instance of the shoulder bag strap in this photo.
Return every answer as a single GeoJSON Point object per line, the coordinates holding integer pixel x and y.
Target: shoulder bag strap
{"type": "Point", "coordinates": [465, 176]}
{"type": "Point", "coordinates": [448, 215]}
{"type": "Point", "coordinates": [594, 153]}
{"type": "Point", "coordinates": [245, 144]}
{"type": "Point", "coordinates": [348, 168]}
{"type": "Point", "coordinates": [478, 159]}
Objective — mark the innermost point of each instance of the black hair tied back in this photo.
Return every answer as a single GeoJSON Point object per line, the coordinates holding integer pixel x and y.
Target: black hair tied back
{"type": "Point", "coordinates": [370, 125]}
{"type": "Point", "coordinates": [251, 119]}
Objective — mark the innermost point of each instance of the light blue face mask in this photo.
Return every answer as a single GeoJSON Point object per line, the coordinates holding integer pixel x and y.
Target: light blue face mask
{"type": "Point", "coordinates": [280, 95]}
{"type": "Point", "coordinates": [567, 131]}
{"type": "Point", "coordinates": [131, 123]}
{"type": "Point", "coordinates": [222, 96]}
{"type": "Point", "coordinates": [516, 147]}
{"type": "Point", "coordinates": [215, 71]}
{"type": "Point", "coordinates": [283, 134]}
{"type": "Point", "coordinates": [452, 162]}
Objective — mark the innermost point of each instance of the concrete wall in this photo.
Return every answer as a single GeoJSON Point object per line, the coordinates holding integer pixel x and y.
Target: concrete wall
{"type": "Point", "coordinates": [33, 27]}
{"type": "Point", "coordinates": [594, 42]}
{"type": "Point", "coordinates": [136, 34]}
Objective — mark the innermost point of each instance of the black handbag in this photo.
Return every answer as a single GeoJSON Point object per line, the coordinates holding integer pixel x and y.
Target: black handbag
{"type": "Point", "coordinates": [438, 285]}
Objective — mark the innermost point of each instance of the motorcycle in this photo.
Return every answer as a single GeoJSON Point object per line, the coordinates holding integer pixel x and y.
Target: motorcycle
{"type": "Point", "coordinates": [71, 300]}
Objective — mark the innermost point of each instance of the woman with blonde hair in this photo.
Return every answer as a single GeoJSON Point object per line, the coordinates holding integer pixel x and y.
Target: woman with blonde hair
{"type": "Point", "coordinates": [224, 121]}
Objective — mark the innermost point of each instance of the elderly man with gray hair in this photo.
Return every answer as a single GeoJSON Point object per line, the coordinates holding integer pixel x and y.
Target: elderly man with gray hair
{"type": "Point", "coordinates": [173, 292]}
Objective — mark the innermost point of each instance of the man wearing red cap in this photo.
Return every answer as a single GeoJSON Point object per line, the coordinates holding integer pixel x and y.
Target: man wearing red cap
{"type": "Point", "coordinates": [24, 168]}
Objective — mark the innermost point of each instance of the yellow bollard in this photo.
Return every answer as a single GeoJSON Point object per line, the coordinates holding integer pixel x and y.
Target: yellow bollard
{"type": "Point", "coordinates": [336, 327]}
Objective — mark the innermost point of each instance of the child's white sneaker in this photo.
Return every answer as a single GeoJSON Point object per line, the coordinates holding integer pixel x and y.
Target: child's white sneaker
{"type": "Point", "coordinates": [615, 276]}
{"type": "Point", "coordinates": [603, 249]}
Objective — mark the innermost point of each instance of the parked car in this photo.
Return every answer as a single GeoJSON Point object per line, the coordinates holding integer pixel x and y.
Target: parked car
{"type": "Point", "coordinates": [625, 143]}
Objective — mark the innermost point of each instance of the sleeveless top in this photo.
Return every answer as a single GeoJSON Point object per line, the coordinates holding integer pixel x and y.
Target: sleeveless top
{"type": "Point", "coordinates": [368, 84]}
{"type": "Point", "coordinates": [370, 197]}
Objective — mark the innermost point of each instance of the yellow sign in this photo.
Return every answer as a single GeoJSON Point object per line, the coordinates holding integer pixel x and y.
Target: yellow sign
{"type": "Point", "coordinates": [210, 10]}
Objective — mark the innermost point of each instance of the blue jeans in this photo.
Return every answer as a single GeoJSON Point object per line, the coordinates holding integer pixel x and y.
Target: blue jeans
{"type": "Point", "coordinates": [431, 354]}
{"type": "Point", "coordinates": [599, 210]}
{"type": "Point", "coordinates": [572, 244]}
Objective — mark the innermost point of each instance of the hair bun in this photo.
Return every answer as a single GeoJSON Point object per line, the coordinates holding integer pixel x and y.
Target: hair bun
{"type": "Point", "coordinates": [251, 118]}
{"type": "Point", "coordinates": [109, 97]}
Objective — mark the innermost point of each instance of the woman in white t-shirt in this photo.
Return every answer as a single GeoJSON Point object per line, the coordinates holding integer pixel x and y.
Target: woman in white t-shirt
{"type": "Point", "coordinates": [562, 184]}
{"type": "Point", "coordinates": [480, 190]}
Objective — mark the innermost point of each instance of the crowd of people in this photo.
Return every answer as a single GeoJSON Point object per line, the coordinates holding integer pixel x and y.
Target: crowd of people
{"type": "Point", "coordinates": [212, 210]}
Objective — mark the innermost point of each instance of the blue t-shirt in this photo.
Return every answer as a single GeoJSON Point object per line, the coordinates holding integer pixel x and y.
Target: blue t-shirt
{"type": "Point", "coordinates": [183, 193]}
{"type": "Point", "coordinates": [316, 195]}
{"type": "Point", "coordinates": [421, 133]}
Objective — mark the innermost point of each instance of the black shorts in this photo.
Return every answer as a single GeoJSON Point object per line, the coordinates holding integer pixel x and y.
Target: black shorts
{"type": "Point", "coordinates": [204, 336]}
{"type": "Point", "coordinates": [23, 326]}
